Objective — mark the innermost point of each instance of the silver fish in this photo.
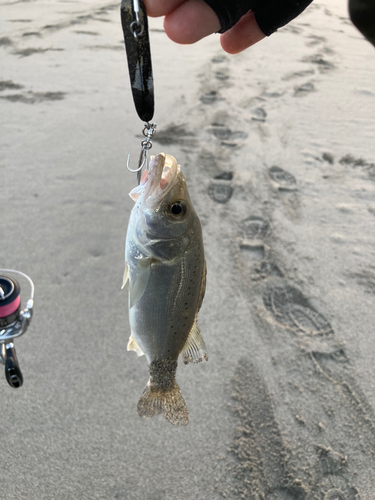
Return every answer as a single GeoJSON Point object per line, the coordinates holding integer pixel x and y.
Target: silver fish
{"type": "Point", "coordinates": [166, 269]}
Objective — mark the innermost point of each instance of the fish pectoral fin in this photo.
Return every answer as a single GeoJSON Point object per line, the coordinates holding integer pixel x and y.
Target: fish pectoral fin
{"type": "Point", "coordinates": [139, 280]}
{"type": "Point", "coordinates": [133, 346]}
{"type": "Point", "coordinates": [126, 276]}
{"type": "Point", "coordinates": [194, 349]}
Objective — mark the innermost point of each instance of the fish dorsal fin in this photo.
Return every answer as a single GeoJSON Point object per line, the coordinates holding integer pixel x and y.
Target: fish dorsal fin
{"type": "Point", "coordinates": [133, 346]}
{"type": "Point", "coordinates": [194, 349]}
{"type": "Point", "coordinates": [126, 275]}
{"type": "Point", "coordinates": [139, 279]}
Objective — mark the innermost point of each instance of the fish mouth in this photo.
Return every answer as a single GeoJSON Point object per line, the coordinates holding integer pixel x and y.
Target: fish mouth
{"type": "Point", "coordinates": [158, 180]}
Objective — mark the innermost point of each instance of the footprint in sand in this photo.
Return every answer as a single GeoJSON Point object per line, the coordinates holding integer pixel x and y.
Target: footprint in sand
{"type": "Point", "coordinates": [315, 40]}
{"type": "Point", "coordinates": [219, 59]}
{"type": "Point", "coordinates": [286, 186]}
{"type": "Point", "coordinates": [258, 115]}
{"type": "Point", "coordinates": [335, 487]}
{"type": "Point", "coordinates": [224, 176]}
{"type": "Point", "coordinates": [221, 76]}
{"type": "Point", "coordinates": [291, 309]}
{"type": "Point", "coordinates": [220, 190]}
{"type": "Point", "coordinates": [323, 395]}
{"type": "Point", "coordinates": [282, 178]}
{"type": "Point", "coordinates": [329, 158]}
{"type": "Point", "coordinates": [254, 256]}
{"type": "Point", "coordinates": [365, 278]}
{"type": "Point", "coordinates": [255, 227]}
{"type": "Point", "coordinates": [221, 131]}
{"type": "Point", "coordinates": [320, 61]}
{"type": "Point", "coordinates": [368, 167]}
{"type": "Point", "coordinates": [252, 251]}
{"type": "Point", "coordinates": [304, 89]}
{"type": "Point", "coordinates": [209, 97]}
{"type": "Point", "coordinates": [228, 138]}
{"type": "Point", "coordinates": [331, 462]}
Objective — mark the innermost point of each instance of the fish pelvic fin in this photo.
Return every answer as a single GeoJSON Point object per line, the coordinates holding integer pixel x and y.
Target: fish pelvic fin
{"type": "Point", "coordinates": [133, 346]}
{"type": "Point", "coordinates": [162, 394]}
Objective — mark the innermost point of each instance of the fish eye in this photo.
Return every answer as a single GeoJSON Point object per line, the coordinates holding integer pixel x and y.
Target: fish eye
{"type": "Point", "coordinates": [176, 210]}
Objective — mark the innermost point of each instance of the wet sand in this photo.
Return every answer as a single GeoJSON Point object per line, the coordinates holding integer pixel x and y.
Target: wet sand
{"type": "Point", "coordinates": [277, 145]}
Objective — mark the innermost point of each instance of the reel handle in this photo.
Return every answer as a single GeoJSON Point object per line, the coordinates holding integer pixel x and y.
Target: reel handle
{"type": "Point", "coordinates": [13, 372]}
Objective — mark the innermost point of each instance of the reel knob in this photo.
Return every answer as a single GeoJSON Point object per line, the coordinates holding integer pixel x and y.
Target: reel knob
{"type": "Point", "coordinates": [13, 372]}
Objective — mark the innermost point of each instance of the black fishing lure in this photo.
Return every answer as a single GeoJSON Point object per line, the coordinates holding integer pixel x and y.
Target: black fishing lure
{"type": "Point", "coordinates": [137, 43]}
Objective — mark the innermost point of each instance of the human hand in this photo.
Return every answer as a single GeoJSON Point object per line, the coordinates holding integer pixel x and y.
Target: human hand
{"type": "Point", "coordinates": [187, 21]}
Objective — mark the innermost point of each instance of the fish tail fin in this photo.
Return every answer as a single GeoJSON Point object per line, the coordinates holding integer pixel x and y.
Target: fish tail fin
{"type": "Point", "coordinates": [169, 403]}
{"type": "Point", "coordinates": [162, 394]}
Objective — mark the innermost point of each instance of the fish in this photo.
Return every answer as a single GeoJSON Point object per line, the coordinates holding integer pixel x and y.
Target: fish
{"type": "Point", "coordinates": [166, 269]}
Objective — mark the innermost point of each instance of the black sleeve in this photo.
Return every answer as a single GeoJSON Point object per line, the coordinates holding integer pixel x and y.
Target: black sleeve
{"type": "Point", "coordinates": [362, 14]}
{"type": "Point", "coordinates": [269, 14]}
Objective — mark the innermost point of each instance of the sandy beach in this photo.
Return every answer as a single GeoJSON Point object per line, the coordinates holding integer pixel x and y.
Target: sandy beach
{"type": "Point", "coordinates": [278, 148]}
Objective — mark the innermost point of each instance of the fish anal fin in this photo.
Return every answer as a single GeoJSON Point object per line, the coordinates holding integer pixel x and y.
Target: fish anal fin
{"type": "Point", "coordinates": [126, 276]}
{"type": "Point", "coordinates": [194, 349]}
{"type": "Point", "coordinates": [133, 346]}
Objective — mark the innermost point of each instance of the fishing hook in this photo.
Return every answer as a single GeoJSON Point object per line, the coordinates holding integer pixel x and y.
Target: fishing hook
{"type": "Point", "coordinates": [148, 131]}
{"type": "Point", "coordinates": [141, 162]}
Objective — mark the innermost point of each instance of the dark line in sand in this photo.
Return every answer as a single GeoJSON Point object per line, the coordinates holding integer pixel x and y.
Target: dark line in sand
{"type": "Point", "coordinates": [5, 41]}
{"type": "Point", "coordinates": [260, 465]}
{"type": "Point", "coordinates": [9, 85]}
{"type": "Point", "coordinates": [30, 51]}
{"type": "Point", "coordinates": [35, 97]}
{"type": "Point", "coordinates": [81, 19]}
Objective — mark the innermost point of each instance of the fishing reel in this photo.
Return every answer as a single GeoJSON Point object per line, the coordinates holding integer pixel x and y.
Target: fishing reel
{"type": "Point", "coordinates": [13, 323]}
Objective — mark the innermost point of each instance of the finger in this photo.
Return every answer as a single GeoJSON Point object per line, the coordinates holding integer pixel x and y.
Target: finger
{"type": "Point", "coordinates": [157, 8]}
{"type": "Point", "coordinates": [242, 35]}
{"type": "Point", "coordinates": [191, 21]}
